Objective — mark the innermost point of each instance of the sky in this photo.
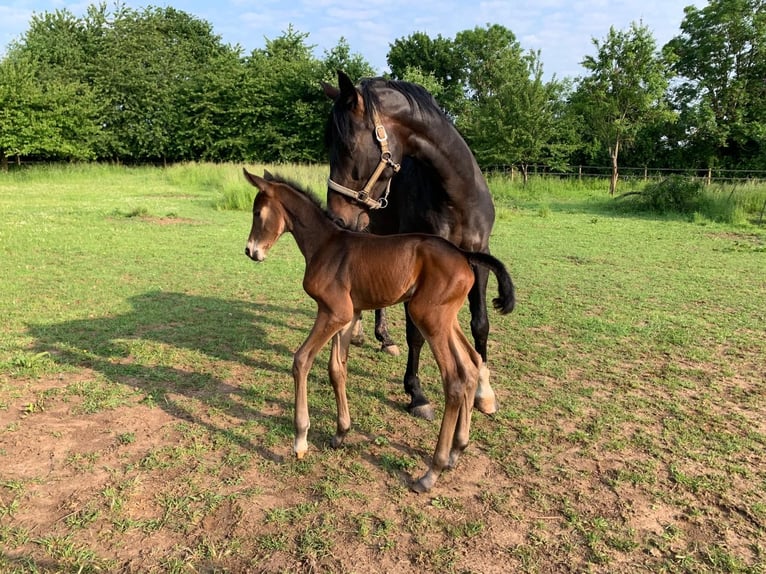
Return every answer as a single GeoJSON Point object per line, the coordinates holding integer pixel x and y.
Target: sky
{"type": "Point", "coordinates": [562, 30]}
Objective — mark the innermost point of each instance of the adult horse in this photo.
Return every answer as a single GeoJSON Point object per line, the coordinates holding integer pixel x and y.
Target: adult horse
{"type": "Point", "coordinates": [399, 165]}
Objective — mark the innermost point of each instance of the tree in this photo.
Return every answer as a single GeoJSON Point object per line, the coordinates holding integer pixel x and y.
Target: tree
{"type": "Point", "coordinates": [515, 116]}
{"type": "Point", "coordinates": [341, 58]}
{"type": "Point", "coordinates": [720, 58]}
{"type": "Point", "coordinates": [51, 120]}
{"type": "Point", "coordinates": [145, 66]}
{"type": "Point", "coordinates": [289, 110]}
{"type": "Point", "coordinates": [624, 91]}
{"type": "Point", "coordinates": [420, 57]}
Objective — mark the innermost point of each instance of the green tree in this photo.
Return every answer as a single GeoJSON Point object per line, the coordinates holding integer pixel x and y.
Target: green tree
{"type": "Point", "coordinates": [146, 63]}
{"type": "Point", "coordinates": [516, 116]}
{"type": "Point", "coordinates": [341, 58]}
{"type": "Point", "coordinates": [720, 59]}
{"type": "Point", "coordinates": [624, 91]}
{"type": "Point", "coordinates": [289, 111]}
{"type": "Point", "coordinates": [53, 120]}
{"type": "Point", "coordinates": [434, 61]}
{"type": "Point", "coordinates": [219, 109]}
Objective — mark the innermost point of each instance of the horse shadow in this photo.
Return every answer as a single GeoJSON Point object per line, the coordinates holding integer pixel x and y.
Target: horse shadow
{"type": "Point", "coordinates": [223, 330]}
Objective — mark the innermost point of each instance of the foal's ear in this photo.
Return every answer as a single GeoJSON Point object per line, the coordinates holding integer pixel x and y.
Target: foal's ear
{"type": "Point", "coordinates": [259, 182]}
{"type": "Point", "coordinates": [267, 175]}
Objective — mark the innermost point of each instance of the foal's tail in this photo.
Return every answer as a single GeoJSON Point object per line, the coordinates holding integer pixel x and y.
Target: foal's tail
{"type": "Point", "coordinates": [506, 299]}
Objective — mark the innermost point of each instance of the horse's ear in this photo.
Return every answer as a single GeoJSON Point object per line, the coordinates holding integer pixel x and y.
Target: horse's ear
{"type": "Point", "coordinates": [330, 91]}
{"type": "Point", "coordinates": [267, 175]}
{"type": "Point", "coordinates": [259, 182]}
{"type": "Point", "coordinates": [348, 94]}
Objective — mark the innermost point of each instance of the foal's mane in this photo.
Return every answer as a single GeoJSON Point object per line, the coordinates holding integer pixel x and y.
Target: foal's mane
{"type": "Point", "coordinates": [305, 192]}
{"type": "Point", "coordinates": [418, 98]}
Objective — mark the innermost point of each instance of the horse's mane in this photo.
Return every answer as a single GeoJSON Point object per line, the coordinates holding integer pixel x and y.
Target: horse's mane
{"type": "Point", "coordinates": [304, 191]}
{"type": "Point", "coordinates": [417, 97]}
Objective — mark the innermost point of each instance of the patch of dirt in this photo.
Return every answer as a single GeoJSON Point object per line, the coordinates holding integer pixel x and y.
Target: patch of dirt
{"type": "Point", "coordinates": [202, 480]}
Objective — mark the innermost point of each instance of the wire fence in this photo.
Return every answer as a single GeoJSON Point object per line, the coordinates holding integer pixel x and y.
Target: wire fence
{"type": "Point", "coordinates": [582, 172]}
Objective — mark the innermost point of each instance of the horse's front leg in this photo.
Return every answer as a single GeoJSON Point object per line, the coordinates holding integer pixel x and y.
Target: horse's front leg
{"type": "Point", "coordinates": [419, 405]}
{"type": "Point", "coordinates": [338, 370]}
{"type": "Point", "coordinates": [485, 401]}
{"type": "Point", "coordinates": [325, 326]}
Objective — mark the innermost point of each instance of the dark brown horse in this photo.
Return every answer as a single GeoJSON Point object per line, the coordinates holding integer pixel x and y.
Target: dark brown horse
{"type": "Point", "coordinates": [349, 272]}
{"type": "Point", "coordinates": [398, 165]}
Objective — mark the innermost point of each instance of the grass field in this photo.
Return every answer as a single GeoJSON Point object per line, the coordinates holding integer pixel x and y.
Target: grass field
{"type": "Point", "coordinates": [146, 393]}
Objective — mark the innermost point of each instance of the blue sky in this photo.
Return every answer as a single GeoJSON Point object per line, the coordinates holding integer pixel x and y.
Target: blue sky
{"type": "Point", "coordinates": [561, 29]}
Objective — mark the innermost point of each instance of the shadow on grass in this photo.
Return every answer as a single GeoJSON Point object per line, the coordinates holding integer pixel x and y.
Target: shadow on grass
{"type": "Point", "coordinates": [213, 330]}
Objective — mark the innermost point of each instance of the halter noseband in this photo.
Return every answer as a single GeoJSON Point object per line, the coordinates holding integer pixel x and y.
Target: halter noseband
{"type": "Point", "coordinates": [363, 196]}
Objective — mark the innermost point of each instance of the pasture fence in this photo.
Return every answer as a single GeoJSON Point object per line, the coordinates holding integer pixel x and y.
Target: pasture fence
{"type": "Point", "coordinates": [637, 174]}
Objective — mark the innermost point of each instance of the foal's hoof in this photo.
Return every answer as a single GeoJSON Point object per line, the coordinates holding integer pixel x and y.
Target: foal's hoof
{"type": "Point", "coordinates": [392, 350]}
{"type": "Point", "coordinates": [486, 405]}
{"type": "Point", "coordinates": [357, 340]}
{"type": "Point", "coordinates": [425, 411]}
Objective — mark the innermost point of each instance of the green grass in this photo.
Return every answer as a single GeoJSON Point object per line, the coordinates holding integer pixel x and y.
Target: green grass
{"type": "Point", "coordinates": [146, 391]}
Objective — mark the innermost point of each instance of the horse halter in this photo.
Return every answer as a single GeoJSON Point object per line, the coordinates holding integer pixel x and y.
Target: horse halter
{"type": "Point", "coordinates": [363, 196]}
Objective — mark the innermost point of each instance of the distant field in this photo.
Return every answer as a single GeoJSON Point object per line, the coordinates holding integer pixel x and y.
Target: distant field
{"type": "Point", "coordinates": [146, 392]}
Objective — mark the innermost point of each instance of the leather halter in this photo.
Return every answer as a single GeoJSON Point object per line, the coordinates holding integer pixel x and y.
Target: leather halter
{"type": "Point", "coordinates": [363, 196]}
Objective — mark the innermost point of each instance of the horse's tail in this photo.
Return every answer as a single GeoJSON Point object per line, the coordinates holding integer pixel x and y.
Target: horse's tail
{"type": "Point", "coordinates": [506, 299]}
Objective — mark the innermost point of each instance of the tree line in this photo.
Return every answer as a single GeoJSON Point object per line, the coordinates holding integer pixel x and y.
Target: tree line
{"type": "Point", "coordinates": [158, 85]}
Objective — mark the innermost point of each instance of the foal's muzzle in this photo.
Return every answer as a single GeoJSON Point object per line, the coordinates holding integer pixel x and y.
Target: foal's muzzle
{"type": "Point", "coordinates": [254, 254]}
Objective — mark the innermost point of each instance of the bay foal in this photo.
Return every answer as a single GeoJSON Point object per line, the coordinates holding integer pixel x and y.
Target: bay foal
{"type": "Point", "coordinates": [349, 272]}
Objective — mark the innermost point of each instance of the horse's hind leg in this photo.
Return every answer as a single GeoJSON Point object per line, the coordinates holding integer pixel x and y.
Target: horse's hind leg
{"type": "Point", "coordinates": [338, 371]}
{"type": "Point", "coordinates": [419, 405]}
{"type": "Point", "coordinates": [485, 401]}
{"type": "Point", "coordinates": [381, 334]}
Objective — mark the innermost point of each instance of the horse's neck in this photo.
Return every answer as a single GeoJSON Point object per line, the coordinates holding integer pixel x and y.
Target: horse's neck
{"type": "Point", "coordinates": [442, 146]}
{"type": "Point", "coordinates": [310, 227]}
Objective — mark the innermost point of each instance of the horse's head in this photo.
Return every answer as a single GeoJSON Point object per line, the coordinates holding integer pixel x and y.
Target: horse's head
{"type": "Point", "coordinates": [363, 155]}
{"type": "Point", "coordinates": [269, 221]}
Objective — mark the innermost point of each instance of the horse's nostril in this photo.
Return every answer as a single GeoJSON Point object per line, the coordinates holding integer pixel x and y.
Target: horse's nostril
{"type": "Point", "coordinates": [247, 251]}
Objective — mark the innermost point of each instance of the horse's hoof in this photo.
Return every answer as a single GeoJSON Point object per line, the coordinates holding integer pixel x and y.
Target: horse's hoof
{"type": "Point", "coordinates": [392, 350]}
{"type": "Point", "coordinates": [357, 341]}
{"type": "Point", "coordinates": [300, 455]}
{"type": "Point", "coordinates": [336, 441]}
{"type": "Point", "coordinates": [425, 411]}
{"type": "Point", "coordinates": [486, 405]}
{"type": "Point", "coordinates": [425, 483]}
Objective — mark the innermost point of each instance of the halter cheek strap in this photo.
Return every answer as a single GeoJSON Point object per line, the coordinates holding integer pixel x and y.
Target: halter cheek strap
{"type": "Point", "coordinates": [363, 196]}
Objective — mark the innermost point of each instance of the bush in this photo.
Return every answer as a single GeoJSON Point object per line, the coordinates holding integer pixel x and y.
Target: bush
{"type": "Point", "coordinates": [676, 194]}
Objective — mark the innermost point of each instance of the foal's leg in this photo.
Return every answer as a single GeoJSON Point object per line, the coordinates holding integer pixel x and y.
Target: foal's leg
{"type": "Point", "coordinates": [325, 326]}
{"type": "Point", "coordinates": [419, 405]}
{"type": "Point", "coordinates": [338, 375]}
{"type": "Point", "coordinates": [477, 302]}
{"type": "Point", "coordinates": [469, 364]}
{"type": "Point", "coordinates": [454, 399]}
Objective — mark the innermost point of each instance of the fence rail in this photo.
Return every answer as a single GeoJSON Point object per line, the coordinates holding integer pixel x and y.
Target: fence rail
{"type": "Point", "coordinates": [708, 175]}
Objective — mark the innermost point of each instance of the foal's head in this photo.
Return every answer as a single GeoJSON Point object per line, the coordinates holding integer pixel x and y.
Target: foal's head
{"type": "Point", "coordinates": [269, 218]}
